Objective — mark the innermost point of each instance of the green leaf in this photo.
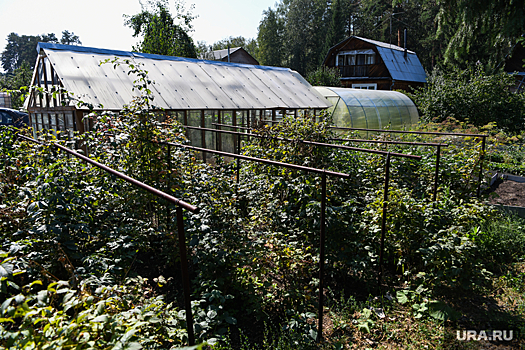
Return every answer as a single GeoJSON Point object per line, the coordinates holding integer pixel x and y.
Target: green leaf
{"type": "Point", "coordinates": [402, 296]}
{"type": "Point", "coordinates": [364, 327]}
{"type": "Point", "coordinates": [441, 311]}
{"type": "Point", "coordinates": [6, 269]}
{"type": "Point", "coordinates": [101, 318]}
{"type": "Point", "coordinates": [5, 305]}
{"type": "Point", "coordinates": [230, 320]}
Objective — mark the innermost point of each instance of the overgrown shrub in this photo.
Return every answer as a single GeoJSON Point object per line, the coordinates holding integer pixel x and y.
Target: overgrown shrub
{"type": "Point", "coordinates": [472, 96]}
{"type": "Point", "coordinates": [325, 76]}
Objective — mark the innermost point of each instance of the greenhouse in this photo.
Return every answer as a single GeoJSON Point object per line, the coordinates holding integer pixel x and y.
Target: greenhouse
{"type": "Point", "coordinates": [197, 93]}
{"type": "Point", "coordinates": [370, 109]}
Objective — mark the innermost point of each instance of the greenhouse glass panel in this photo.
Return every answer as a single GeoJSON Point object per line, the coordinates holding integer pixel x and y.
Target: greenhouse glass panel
{"type": "Point", "coordinates": [195, 136]}
{"type": "Point", "coordinates": [358, 118]}
{"type": "Point", "coordinates": [372, 118]}
{"type": "Point", "coordinates": [210, 117]}
{"type": "Point", "coordinates": [227, 139]}
{"type": "Point", "coordinates": [370, 109]}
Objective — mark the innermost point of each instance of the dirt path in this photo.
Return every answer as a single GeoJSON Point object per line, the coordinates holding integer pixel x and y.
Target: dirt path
{"type": "Point", "coordinates": [507, 193]}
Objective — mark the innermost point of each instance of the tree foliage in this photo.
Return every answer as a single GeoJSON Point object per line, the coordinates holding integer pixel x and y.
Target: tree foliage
{"type": "Point", "coordinates": [481, 30]}
{"type": "Point", "coordinates": [163, 33]}
{"type": "Point", "coordinates": [70, 38]}
{"type": "Point", "coordinates": [270, 39]}
{"type": "Point", "coordinates": [15, 84]}
{"type": "Point", "coordinates": [22, 48]}
{"type": "Point", "coordinates": [457, 33]}
{"type": "Point", "coordinates": [325, 76]}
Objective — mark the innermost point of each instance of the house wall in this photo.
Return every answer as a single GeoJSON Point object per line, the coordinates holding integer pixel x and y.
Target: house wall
{"type": "Point", "coordinates": [382, 84]}
{"type": "Point", "coordinates": [377, 73]}
{"type": "Point", "coordinates": [377, 70]}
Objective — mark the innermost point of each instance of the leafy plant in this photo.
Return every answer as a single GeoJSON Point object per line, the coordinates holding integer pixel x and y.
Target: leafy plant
{"type": "Point", "coordinates": [472, 95]}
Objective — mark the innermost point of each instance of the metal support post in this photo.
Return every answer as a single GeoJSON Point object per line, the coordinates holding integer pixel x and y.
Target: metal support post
{"type": "Point", "coordinates": [321, 257]}
{"type": "Point", "coordinates": [238, 152]}
{"type": "Point", "coordinates": [436, 178]}
{"type": "Point", "coordinates": [185, 276]}
{"type": "Point", "coordinates": [168, 189]}
{"type": "Point", "coordinates": [383, 223]}
{"type": "Point", "coordinates": [482, 156]}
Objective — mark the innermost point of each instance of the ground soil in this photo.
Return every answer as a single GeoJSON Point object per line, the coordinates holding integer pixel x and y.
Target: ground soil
{"type": "Point", "coordinates": [506, 192]}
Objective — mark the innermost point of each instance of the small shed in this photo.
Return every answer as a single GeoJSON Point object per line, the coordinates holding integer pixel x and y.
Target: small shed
{"type": "Point", "coordinates": [234, 55]}
{"type": "Point", "coordinates": [370, 64]}
{"type": "Point", "coordinates": [196, 92]}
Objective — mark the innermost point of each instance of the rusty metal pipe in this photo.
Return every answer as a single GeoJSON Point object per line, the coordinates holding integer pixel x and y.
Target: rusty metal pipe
{"type": "Point", "coordinates": [409, 132]}
{"type": "Point", "coordinates": [383, 221]}
{"type": "Point", "coordinates": [436, 176]}
{"type": "Point", "coordinates": [481, 158]}
{"type": "Point", "coordinates": [266, 161]}
{"type": "Point", "coordinates": [232, 126]}
{"type": "Point", "coordinates": [137, 183]}
{"type": "Point", "coordinates": [322, 239]}
{"type": "Point", "coordinates": [430, 144]}
{"type": "Point", "coordinates": [365, 150]}
{"type": "Point", "coordinates": [180, 224]}
{"type": "Point", "coordinates": [185, 275]}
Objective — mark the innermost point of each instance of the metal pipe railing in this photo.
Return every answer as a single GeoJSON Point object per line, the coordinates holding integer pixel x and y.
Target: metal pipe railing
{"type": "Point", "coordinates": [410, 132]}
{"type": "Point", "coordinates": [180, 223]}
{"type": "Point", "coordinates": [322, 236]}
{"type": "Point", "coordinates": [365, 150]}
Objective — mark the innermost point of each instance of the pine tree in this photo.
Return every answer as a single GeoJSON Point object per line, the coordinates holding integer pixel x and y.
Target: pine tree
{"type": "Point", "coordinates": [270, 39]}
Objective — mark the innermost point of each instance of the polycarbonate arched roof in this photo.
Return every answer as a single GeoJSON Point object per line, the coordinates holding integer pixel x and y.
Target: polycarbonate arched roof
{"type": "Point", "coordinates": [370, 109]}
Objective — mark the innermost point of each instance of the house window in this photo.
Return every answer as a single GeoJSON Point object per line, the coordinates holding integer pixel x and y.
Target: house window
{"type": "Point", "coordinates": [365, 86]}
{"type": "Point", "coordinates": [356, 58]}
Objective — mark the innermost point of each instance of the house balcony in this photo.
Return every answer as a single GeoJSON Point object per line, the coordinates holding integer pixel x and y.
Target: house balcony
{"type": "Point", "coordinates": [353, 71]}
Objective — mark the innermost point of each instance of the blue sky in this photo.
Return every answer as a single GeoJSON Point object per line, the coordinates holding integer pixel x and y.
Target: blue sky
{"type": "Point", "coordinates": [99, 23]}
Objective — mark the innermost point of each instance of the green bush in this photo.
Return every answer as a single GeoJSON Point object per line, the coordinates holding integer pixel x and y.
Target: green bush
{"type": "Point", "coordinates": [325, 76]}
{"type": "Point", "coordinates": [472, 96]}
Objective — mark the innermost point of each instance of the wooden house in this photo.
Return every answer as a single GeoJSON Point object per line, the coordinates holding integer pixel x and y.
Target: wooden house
{"type": "Point", "coordinates": [233, 55]}
{"type": "Point", "coordinates": [370, 64]}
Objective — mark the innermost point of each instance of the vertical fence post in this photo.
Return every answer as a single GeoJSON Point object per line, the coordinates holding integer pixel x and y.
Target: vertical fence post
{"type": "Point", "coordinates": [383, 223]}
{"type": "Point", "coordinates": [185, 275]}
{"type": "Point", "coordinates": [436, 178]}
{"type": "Point", "coordinates": [321, 257]}
{"type": "Point", "coordinates": [482, 156]}
{"type": "Point", "coordinates": [168, 184]}
{"type": "Point", "coordinates": [238, 152]}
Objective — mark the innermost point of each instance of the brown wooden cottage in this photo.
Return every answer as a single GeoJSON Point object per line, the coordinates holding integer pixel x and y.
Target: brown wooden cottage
{"type": "Point", "coordinates": [370, 64]}
{"type": "Point", "coordinates": [236, 55]}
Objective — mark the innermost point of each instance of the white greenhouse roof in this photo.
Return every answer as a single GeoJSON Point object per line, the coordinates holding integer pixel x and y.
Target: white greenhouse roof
{"type": "Point", "coordinates": [179, 83]}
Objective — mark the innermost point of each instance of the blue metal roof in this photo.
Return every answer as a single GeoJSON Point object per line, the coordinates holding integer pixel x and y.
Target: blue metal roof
{"type": "Point", "coordinates": [401, 67]}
